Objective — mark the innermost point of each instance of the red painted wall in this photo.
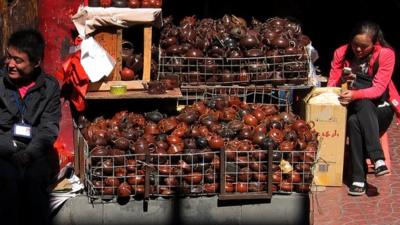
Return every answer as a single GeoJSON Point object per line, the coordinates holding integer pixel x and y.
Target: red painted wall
{"type": "Point", "coordinates": [56, 26]}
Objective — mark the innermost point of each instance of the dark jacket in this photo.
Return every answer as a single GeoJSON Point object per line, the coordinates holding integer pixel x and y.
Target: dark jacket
{"type": "Point", "coordinates": [42, 113]}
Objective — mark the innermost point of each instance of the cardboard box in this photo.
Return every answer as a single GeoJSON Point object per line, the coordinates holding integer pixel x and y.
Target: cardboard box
{"type": "Point", "coordinates": [330, 122]}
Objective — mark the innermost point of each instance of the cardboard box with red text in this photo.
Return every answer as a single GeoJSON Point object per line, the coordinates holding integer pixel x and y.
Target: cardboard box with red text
{"type": "Point", "coordinates": [323, 108]}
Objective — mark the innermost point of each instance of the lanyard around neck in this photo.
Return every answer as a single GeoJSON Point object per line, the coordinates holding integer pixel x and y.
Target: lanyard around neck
{"type": "Point", "coordinates": [20, 105]}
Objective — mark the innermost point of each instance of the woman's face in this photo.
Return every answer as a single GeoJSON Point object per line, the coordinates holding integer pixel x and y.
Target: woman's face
{"type": "Point", "coordinates": [362, 45]}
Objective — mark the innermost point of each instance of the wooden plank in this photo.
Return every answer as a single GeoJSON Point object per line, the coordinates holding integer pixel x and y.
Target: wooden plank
{"type": "Point", "coordinates": [105, 86]}
{"type": "Point", "coordinates": [80, 164]}
{"type": "Point", "coordinates": [111, 40]}
{"type": "Point", "coordinates": [147, 52]}
{"type": "Point", "coordinates": [171, 94]}
{"type": "Point", "coordinates": [4, 26]}
{"type": "Point", "coordinates": [16, 15]}
{"type": "Point", "coordinates": [76, 158]}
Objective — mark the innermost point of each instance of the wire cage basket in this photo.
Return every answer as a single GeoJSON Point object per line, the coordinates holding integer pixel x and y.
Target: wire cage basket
{"type": "Point", "coordinates": [135, 176]}
{"type": "Point", "coordinates": [292, 171]}
{"type": "Point", "coordinates": [282, 97]}
{"type": "Point", "coordinates": [273, 70]}
{"type": "Point", "coordinates": [193, 173]}
{"type": "Point", "coordinates": [246, 173]}
{"type": "Point", "coordinates": [116, 174]}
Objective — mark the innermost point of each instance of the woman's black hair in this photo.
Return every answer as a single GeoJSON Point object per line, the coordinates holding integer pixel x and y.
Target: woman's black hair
{"type": "Point", "coordinates": [29, 41]}
{"type": "Point", "coordinates": [372, 30]}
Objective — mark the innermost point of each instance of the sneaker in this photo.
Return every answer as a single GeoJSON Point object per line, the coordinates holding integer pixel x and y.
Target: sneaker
{"type": "Point", "coordinates": [356, 190]}
{"type": "Point", "coordinates": [381, 170]}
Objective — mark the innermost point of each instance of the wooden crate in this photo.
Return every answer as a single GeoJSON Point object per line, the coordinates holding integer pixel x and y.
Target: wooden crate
{"type": "Point", "coordinates": [110, 39]}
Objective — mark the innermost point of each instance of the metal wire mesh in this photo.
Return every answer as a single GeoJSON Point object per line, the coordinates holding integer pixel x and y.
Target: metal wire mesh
{"type": "Point", "coordinates": [292, 171]}
{"type": "Point", "coordinates": [281, 97]}
{"type": "Point", "coordinates": [106, 174]}
{"type": "Point", "coordinates": [274, 70]}
{"type": "Point", "coordinates": [246, 173]}
{"type": "Point", "coordinates": [195, 173]}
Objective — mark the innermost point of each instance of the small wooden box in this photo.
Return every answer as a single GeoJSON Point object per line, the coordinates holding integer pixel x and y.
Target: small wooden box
{"type": "Point", "coordinates": [110, 39]}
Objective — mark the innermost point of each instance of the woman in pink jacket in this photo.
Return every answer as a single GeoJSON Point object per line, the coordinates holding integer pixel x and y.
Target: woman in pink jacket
{"type": "Point", "coordinates": [366, 64]}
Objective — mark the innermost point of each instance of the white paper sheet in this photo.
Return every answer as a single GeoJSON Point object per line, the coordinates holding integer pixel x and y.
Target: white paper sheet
{"type": "Point", "coordinates": [95, 60]}
{"type": "Point", "coordinates": [58, 198]}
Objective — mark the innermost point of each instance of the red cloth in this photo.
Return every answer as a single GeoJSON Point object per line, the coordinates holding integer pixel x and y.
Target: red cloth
{"type": "Point", "coordinates": [75, 80]}
{"type": "Point", "coordinates": [64, 144]}
{"type": "Point", "coordinates": [22, 90]}
{"type": "Point", "coordinates": [382, 79]}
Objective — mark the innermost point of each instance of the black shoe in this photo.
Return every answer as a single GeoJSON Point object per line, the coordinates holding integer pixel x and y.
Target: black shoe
{"type": "Point", "coordinates": [356, 190]}
{"type": "Point", "coordinates": [382, 170]}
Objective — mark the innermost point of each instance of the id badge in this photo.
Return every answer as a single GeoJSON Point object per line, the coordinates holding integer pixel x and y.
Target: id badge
{"type": "Point", "coordinates": [22, 130]}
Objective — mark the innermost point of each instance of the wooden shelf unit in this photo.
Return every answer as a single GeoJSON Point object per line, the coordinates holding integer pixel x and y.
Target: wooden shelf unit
{"type": "Point", "coordinates": [111, 40]}
{"type": "Point", "coordinates": [138, 94]}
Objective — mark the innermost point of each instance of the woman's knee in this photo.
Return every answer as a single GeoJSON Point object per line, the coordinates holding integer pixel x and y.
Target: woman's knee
{"type": "Point", "coordinates": [363, 104]}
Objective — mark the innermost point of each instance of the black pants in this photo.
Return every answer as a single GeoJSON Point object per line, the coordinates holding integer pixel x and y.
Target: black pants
{"type": "Point", "coordinates": [364, 124]}
{"type": "Point", "coordinates": [24, 198]}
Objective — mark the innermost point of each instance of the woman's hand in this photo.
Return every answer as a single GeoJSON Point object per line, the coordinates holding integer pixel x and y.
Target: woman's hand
{"type": "Point", "coordinates": [348, 78]}
{"type": "Point", "coordinates": [346, 97]}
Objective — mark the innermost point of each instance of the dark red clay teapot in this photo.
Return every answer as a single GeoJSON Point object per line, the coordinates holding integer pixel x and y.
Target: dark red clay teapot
{"type": "Point", "coordinates": [124, 190]}
{"type": "Point", "coordinates": [286, 146]}
{"type": "Point", "coordinates": [249, 42]}
{"type": "Point", "coordinates": [118, 156]}
{"type": "Point", "coordinates": [276, 135]}
{"type": "Point", "coordinates": [194, 53]}
{"type": "Point", "coordinates": [119, 3]}
{"type": "Point", "coordinates": [122, 143]}
{"type": "Point", "coordinates": [127, 74]}
{"type": "Point", "coordinates": [215, 142]}
{"type": "Point", "coordinates": [300, 125]}
{"type": "Point", "coordinates": [127, 50]}
{"type": "Point", "coordinates": [151, 3]}
{"type": "Point", "coordinates": [131, 165]}
{"type": "Point", "coordinates": [105, 3]}
{"type": "Point", "coordinates": [286, 186]}
{"type": "Point", "coordinates": [98, 152]}
{"type": "Point", "coordinates": [151, 128]}
{"type": "Point", "coordinates": [250, 120]}
{"type": "Point", "coordinates": [94, 3]}
{"type": "Point", "coordinates": [112, 182]}
{"type": "Point", "coordinates": [176, 148]}
{"type": "Point", "coordinates": [280, 42]}
{"type": "Point", "coordinates": [155, 87]}
{"type": "Point", "coordinates": [167, 124]}
{"type": "Point", "coordinates": [134, 3]}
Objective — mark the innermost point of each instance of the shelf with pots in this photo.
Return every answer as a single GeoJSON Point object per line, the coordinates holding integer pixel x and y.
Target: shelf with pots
{"type": "Point", "coordinates": [106, 25]}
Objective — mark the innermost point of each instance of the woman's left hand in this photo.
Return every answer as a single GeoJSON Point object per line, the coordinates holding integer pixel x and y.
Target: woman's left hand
{"type": "Point", "coordinates": [345, 97]}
